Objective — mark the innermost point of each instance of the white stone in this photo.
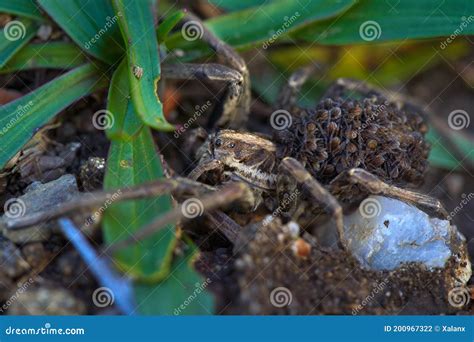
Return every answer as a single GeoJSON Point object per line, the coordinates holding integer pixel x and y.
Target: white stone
{"type": "Point", "coordinates": [384, 233]}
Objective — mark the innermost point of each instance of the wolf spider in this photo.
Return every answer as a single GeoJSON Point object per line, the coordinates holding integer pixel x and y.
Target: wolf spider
{"type": "Point", "coordinates": [337, 154]}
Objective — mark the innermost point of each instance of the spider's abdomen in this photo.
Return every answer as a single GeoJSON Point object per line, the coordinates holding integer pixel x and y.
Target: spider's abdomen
{"type": "Point", "coordinates": [372, 134]}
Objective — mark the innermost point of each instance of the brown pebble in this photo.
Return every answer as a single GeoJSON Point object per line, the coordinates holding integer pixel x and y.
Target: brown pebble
{"type": "Point", "coordinates": [301, 248]}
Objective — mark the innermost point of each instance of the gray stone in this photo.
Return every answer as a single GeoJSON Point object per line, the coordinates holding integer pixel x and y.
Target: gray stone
{"type": "Point", "coordinates": [38, 198]}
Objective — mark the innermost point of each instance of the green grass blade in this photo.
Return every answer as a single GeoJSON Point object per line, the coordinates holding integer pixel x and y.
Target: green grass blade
{"type": "Point", "coordinates": [138, 30]}
{"type": "Point", "coordinates": [24, 8]}
{"type": "Point", "coordinates": [167, 25]}
{"type": "Point", "coordinates": [14, 36]}
{"type": "Point", "coordinates": [126, 124]}
{"type": "Point", "coordinates": [183, 292]}
{"type": "Point", "coordinates": [52, 55]}
{"type": "Point", "coordinates": [232, 5]}
{"type": "Point", "coordinates": [131, 163]}
{"type": "Point", "coordinates": [91, 24]}
{"type": "Point", "coordinates": [377, 21]}
{"type": "Point", "coordinates": [442, 157]}
{"type": "Point", "coordinates": [20, 119]}
{"type": "Point", "coordinates": [266, 23]}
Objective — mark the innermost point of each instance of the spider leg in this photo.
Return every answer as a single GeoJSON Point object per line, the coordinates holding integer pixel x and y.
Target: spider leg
{"type": "Point", "coordinates": [288, 95]}
{"type": "Point", "coordinates": [236, 104]}
{"type": "Point", "coordinates": [375, 186]}
{"type": "Point", "coordinates": [320, 194]}
{"type": "Point", "coordinates": [211, 165]}
{"type": "Point", "coordinates": [225, 225]}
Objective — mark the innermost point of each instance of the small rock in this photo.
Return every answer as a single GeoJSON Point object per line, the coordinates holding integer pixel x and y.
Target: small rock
{"type": "Point", "coordinates": [294, 228]}
{"type": "Point", "coordinates": [39, 197]}
{"type": "Point", "coordinates": [301, 248]}
{"type": "Point", "coordinates": [51, 168]}
{"type": "Point", "coordinates": [46, 301]}
{"type": "Point", "coordinates": [44, 32]}
{"type": "Point", "coordinates": [384, 233]}
{"type": "Point", "coordinates": [69, 153]}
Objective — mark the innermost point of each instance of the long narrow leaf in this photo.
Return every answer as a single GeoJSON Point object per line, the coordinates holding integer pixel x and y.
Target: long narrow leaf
{"type": "Point", "coordinates": [133, 162]}
{"type": "Point", "coordinates": [20, 119]}
{"type": "Point", "coordinates": [15, 34]}
{"type": "Point", "coordinates": [167, 25]}
{"type": "Point", "coordinates": [442, 157]}
{"type": "Point", "coordinates": [377, 21]}
{"type": "Point", "coordinates": [265, 23]}
{"type": "Point", "coordinates": [232, 5]}
{"type": "Point", "coordinates": [91, 24]}
{"type": "Point", "coordinates": [24, 8]}
{"type": "Point", "coordinates": [138, 30]}
{"type": "Point", "coordinates": [126, 124]}
{"type": "Point", "coordinates": [53, 55]}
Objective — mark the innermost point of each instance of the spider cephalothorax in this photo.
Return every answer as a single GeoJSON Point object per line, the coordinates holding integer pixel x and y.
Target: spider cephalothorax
{"type": "Point", "coordinates": [245, 156]}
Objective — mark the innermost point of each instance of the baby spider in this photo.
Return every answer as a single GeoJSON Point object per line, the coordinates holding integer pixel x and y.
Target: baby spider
{"type": "Point", "coordinates": [357, 141]}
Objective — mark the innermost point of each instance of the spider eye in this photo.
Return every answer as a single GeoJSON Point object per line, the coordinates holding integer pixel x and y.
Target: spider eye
{"type": "Point", "coordinates": [232, 145]}
{"type": "Point", "coordinates": [218, 143]}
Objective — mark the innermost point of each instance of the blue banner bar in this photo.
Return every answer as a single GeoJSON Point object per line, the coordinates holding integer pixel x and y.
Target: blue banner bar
{"type": "Point", "coordinates": [227, 328]}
